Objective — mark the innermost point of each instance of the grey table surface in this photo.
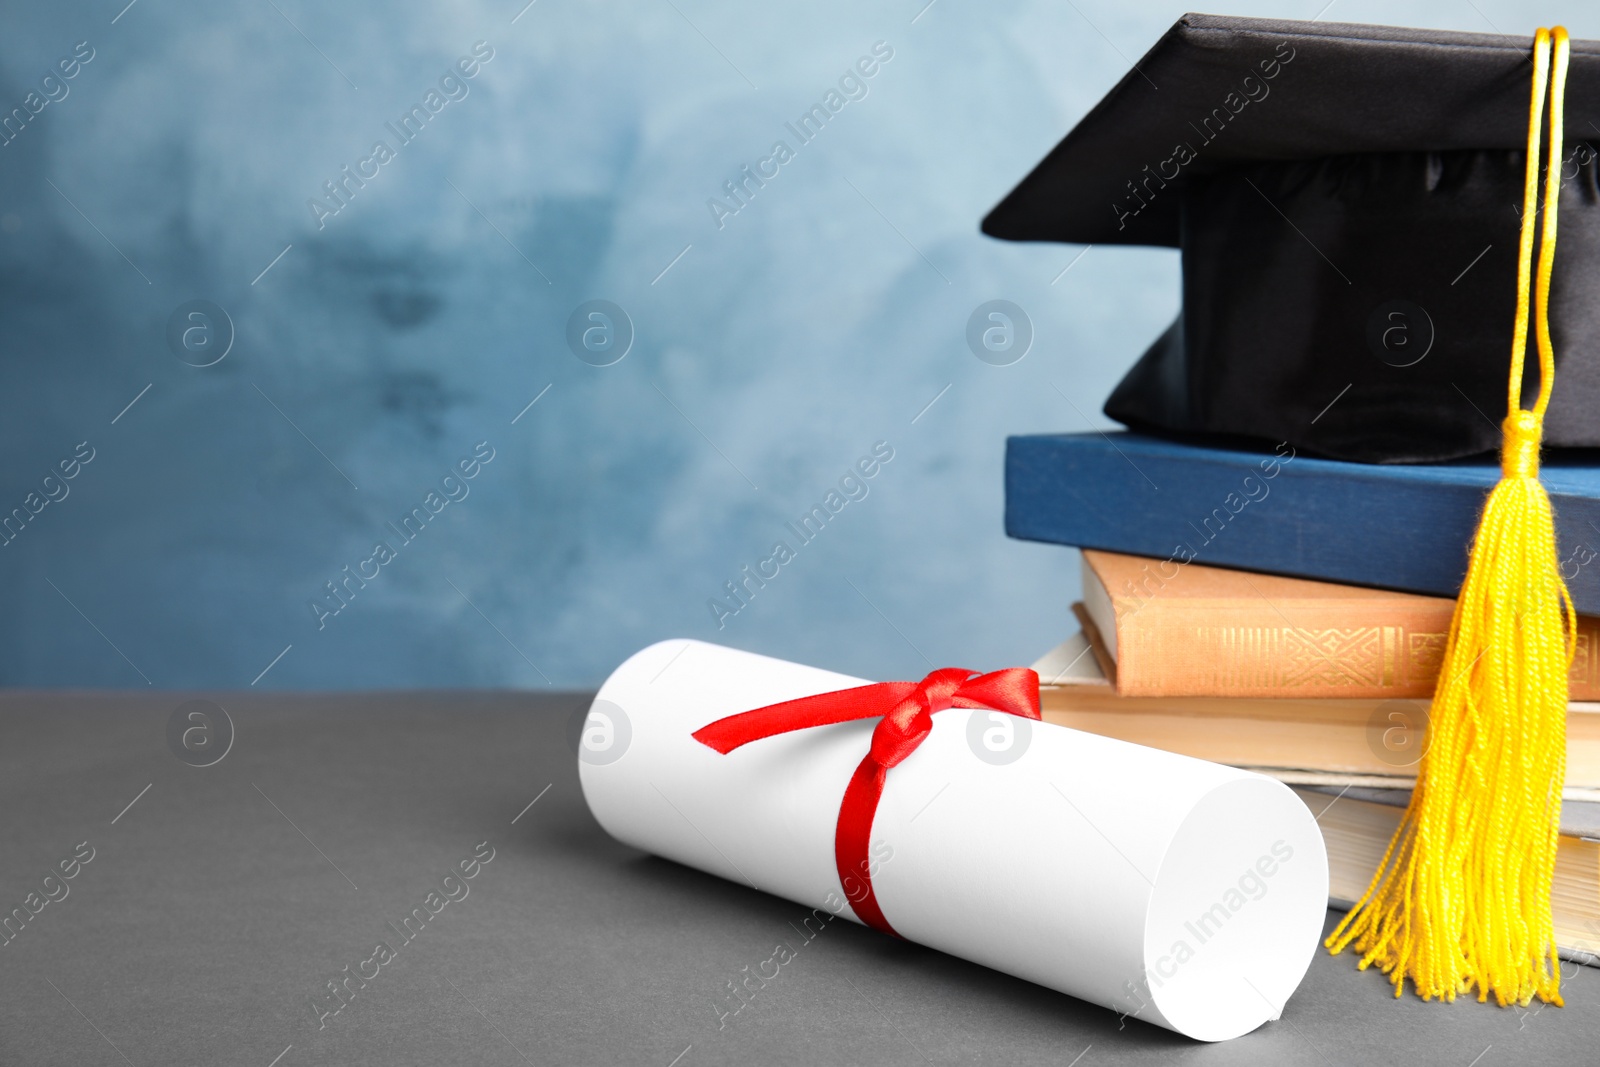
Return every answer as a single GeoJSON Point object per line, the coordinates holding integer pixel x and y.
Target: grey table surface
{"type": "Point", "coordinates": [221, 900]}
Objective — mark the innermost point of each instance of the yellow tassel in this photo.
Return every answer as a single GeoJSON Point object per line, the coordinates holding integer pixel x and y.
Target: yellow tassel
{"type": "Point", "coordinates": [1462, 898]}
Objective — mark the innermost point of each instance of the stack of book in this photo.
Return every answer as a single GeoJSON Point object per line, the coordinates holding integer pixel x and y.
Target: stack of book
{"type": "Point", "coordinates": [1289, 615]}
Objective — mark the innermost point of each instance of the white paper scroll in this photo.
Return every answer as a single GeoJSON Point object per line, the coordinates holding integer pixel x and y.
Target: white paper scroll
{"type": "Point", "coordinates": [1187, 894]}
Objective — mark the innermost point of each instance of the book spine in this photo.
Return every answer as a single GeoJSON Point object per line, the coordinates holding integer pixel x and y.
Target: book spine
{"type": "Point", "coordinates": [1345, 650]}
{"type": "Point", "coordinates": [1304, 517]}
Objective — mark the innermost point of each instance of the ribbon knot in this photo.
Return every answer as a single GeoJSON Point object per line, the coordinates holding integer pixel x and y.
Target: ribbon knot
{"type": "Point", "coordinates": [905, 711]}
{"type": "Point", "coordinates": [900, 731]}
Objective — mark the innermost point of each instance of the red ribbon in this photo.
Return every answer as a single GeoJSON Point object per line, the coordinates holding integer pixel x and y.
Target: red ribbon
{"type": "Point", "coordinates": [907, 710]}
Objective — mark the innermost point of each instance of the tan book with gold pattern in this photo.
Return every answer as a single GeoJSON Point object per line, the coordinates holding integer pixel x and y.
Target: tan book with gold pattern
{"type": "Point", "coordinates": [1166, 628]}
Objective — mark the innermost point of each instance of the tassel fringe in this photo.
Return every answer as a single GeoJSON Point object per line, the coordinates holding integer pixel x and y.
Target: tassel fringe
{"type": "Point", "coordinates": [1462, 899]}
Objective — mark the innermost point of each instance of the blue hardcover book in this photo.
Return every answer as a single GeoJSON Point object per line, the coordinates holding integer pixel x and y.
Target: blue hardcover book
{"type": "Point", "coordinates": [1400, 527]}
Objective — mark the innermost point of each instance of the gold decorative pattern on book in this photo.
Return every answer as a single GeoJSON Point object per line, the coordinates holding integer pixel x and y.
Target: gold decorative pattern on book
{"type": "Point", "coordinates": [1427, 653]}
{"type": "Point", "coordinates": [1295, 657]}
{"type": "Point", "coordinates": [1301, 658]}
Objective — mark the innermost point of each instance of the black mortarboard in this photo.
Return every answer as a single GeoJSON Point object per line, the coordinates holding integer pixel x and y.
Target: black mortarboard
{"type": "Point", "coordinates": [1347, 200]}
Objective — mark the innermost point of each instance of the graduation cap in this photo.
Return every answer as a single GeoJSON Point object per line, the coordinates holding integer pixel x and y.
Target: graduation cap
{"type": "Point", "coordinates": [1348, 202]}
{"type": "Point", "coordinates": [1318, 179]}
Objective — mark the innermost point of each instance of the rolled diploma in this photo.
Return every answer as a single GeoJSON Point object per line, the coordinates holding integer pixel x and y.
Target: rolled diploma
{"type": "Point", "coordinates": [1185, 893]}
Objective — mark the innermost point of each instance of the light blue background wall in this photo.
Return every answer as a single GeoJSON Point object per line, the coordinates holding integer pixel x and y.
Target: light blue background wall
{"type": "Point", "coordinates": [422, 318]}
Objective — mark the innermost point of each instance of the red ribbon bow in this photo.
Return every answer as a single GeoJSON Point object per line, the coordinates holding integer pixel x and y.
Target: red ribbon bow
{"type": "Point", "coordinates": [907, 709]}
